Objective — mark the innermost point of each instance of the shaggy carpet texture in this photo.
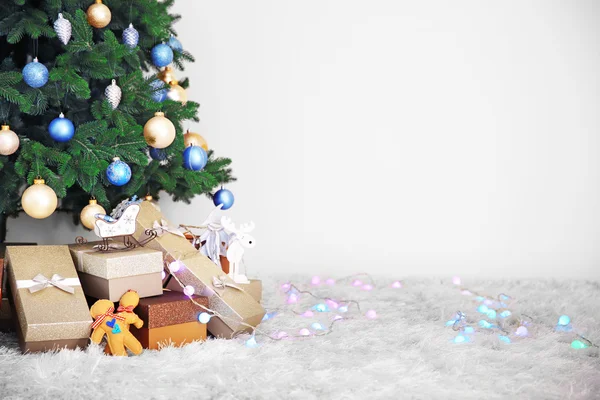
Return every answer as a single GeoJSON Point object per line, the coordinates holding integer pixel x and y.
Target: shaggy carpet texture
{"type": "Point", "coordinates": [406, 353]}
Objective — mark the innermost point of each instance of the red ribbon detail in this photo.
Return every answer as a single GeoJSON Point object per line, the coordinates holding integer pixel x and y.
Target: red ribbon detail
{"type": "Point", "coordinates": [126, 309]}
{"type": "Point", "coordinates": [100, 318]}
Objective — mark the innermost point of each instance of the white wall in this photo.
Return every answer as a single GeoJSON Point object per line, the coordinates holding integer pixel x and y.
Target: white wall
{"type": "Point", "coordinates": [403, 137]}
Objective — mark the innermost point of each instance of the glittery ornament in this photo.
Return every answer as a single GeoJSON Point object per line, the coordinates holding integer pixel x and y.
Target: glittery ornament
{"type": "Point", "coordinates": [118, 172]}
{"type": "Point", "coordinates": [87, 216]}
{"type": "Point", "coordinates": [113, 94]}
{"type": "Point", "coordinates": [35, 74]}
{"type": "Point", "coordinates": [194, 139]}
{"type": "Point", "coordinates": [39, 200]}
{"type": "Point", "coordinates": [167, 75]}
{"type": "Point", "coordinates": [98, 15]}
{"type": "Point", "coordinates": [162, 55]}
{"type": "Point", "coordinates": [62, 27]}
{"type": "Point", "coordinates": [175, 44]}
{"type": "Point", "coordinates": [159, 132]}
{"type": "Point", "coordinates": [9, 141]}
{"type": "Point", "coordinates": [159, 92]}
{"type": "Point", "coordinates": [131, 37]}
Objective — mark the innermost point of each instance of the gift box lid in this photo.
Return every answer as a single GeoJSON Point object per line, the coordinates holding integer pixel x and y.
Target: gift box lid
{"type": "Point", "coordinates": [51, 313]}
{"type": "Point", "coordinates": [116, 264]}
{"type": "Point", "coordinates": [171, 308]}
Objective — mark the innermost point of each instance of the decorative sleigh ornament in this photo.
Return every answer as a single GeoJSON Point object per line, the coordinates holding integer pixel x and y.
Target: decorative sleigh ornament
{"type": "Point", "coordinates": [120, 225]}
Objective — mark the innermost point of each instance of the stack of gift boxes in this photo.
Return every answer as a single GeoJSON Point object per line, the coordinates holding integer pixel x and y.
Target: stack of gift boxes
{"type": "Point", "coordinates": [53, 287]}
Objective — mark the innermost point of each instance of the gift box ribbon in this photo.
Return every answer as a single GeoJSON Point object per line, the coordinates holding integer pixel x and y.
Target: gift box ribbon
{"type": "Point", "coordinates": [220, 282]}
{"type": "Point", "coordinates": [40, 282]}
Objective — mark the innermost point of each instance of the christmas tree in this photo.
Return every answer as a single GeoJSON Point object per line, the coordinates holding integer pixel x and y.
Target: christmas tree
{"type": "Point", "coordinates": [108, 67]}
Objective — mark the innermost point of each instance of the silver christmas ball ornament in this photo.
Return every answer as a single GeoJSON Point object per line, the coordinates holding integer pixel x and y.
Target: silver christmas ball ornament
{"type": "Point", "coordinates": [131, 37]}
{"type": "Point", "coordinates": [62, 27]}
{"type": "Point", "coordinates": [113, 94]}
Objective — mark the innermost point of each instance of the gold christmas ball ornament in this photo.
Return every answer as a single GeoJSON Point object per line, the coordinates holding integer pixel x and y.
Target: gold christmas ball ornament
{"type": "Point", "coordinates": [9, 141]}
{"type": "Point", "coordinates": [167, 75]}
{"type": "Point", "coordinates": [98, 15]}
{"type": "Point", "coordinates": [194, 139]}
{"type": "Point", "coordinates": [88, 214]}
{"type": "Point", "coordinates": [39, 200]}
{"type": "Point", "coordinates": [177, 93]}
{"type": "Point", "coordinates": [159, 132]}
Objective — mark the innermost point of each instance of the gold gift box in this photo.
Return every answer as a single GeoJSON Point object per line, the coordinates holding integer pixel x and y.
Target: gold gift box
{"type": "Point", "coordinates": [49, 318]}
{"type": "Point", "coordinates": [254, 289]}
{"type": "Point", "coordinates": [241, 310]}
{"type": "Point", "coordinates": [109, 274]}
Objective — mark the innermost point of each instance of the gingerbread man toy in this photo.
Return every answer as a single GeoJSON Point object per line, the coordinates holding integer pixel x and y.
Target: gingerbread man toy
{"type": "Point", "coordinates": [116, 326]}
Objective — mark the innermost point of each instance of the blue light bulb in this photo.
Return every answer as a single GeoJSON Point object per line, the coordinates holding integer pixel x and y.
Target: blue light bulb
{"type": "Point", "coordinates": [251, 343]}
{"type": "Point", "coordinates": [484, 324]}
{"type": "Point", "coordinates": [321, 307]}
{"type": "Point", "coordinates": [317, 326]}
{"type": "Point", "coordinates": [483, 309]}
{"type": "Point", "coordinates": [505, 314]}
{"type": "Point", "coordinates": [564, 320]}
{"type": "Point", "coordinates": [505, 339]}
{"type": "Point", "coordinates": [469, 329]}
{"type": "Point", "coordinates": [491, 314]}
{"type": "Point", "coordinates": [460, 339]}
{"type": "Point", "coordinates": [204, 318]}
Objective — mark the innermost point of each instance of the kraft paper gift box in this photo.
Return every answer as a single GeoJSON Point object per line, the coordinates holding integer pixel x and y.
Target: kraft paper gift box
{"type": "Point", "coordinates": [170, 318]}
{"type": "Point", "coordinates": [50, 307]}
{"type": "Point", "coordinates": [254, 288]}
{"type": "Point", "coordinates": [240, 310]}
{"type": "Point", "coordinates": [109, 274]}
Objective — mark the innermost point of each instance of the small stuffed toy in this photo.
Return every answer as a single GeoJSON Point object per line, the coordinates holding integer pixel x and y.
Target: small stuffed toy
{"type": "Point", "coordinates": [116, 326]}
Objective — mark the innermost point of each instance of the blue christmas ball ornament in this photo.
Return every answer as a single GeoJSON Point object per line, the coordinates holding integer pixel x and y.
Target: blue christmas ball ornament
{"type": "Point", "coordinates": [175, 44]}
{"type": "Point", "coordinates": [225, 197]}
{"type": "Point", "coordinates": [194, 158]}
{"type": "Point", "coordinates": [35, 74]}
{"type": "Point", "coordinates": [159, 91]}
{"type": "Point", "coordinates": [118, 172]}
{"type": "Point", "coordinates": [158, 154]}
{"type": "Point", "coordinates": [162, 55]}
{"type": "Point", "coordinates": [131, 37]}
{"type": "Point", "coordinates": [61, 129]}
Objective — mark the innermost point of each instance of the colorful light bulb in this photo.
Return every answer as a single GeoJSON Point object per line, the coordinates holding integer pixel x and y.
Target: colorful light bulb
{"type": "Point", "coordinates": [484, 324]}
{"type": "Point", "coordinates": [189, 291]}
{"type": "Point", "coordinates": [281, 335]}
{"type": "Point", "coordinates": [460, 339]}
{"type": "Point", "coordinates": [578, 344]}
{"type": "Point", "coordinates": [321, 307]}
{"type": "Point", "coordinates": [285, 287]}
{"type": "Point", "coordinates": [175, 266]}
{"type": "Point", "coordinates": [469, 329]}
{"type": "Point", "coordinates": [317, 326]}
{"type": "Point", "coordinates": [332, 304]}
{"type": "Point", "coordinates": [503, 338]}
{"type": "Point", "coordinates": [483, 309]}
{"type": "Point", "coordinates": [315, 281]}
{"type": "Point", "coordinates": [367, 287]}
{"type": "Point", "coordinates": [371, 314]}
{"type": "Point", "coordinates": [337, 317]}
{"type": "Point", "coordinates": [456, 280]}
{"type": "Point", "coordinates": [204, 318]}
{"type": "Point", "coordinates": [480, 298]}
{"type": "Point", "coordinates": [521, 331]}
{"type": "Point", "coordinates": [357, 282]}
{"type": "Point", "coordinates": [330, 282]}
{"type": "Point", "coordinates": [397, 285]}
{"type": "Point", "coordinates": [491, 314]}
{"type": "Point", "coordinates": [292, 298]}
{"type": "Point", "coordinates": [564, 320]}
{"type": "Point", "coordinates": [343, 309]}
{"type": "Point", "coordinates": [505, 314]}
{"type": "Point", "coordinates": [164, 275]}
{"type": "Point", "coordinates": [304, 332]}
{"type": "Point", "coordinates": [466, 293]}
{"type": "Point", "coordinates": [307, 313]}
{"type": "Point", "coordinates": [251, 343]}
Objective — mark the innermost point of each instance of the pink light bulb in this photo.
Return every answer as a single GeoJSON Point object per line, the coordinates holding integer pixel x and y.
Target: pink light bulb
{"type": "Point", "coordinates": [304, 332]}
{"type": "Point", "coordinates": [521, 331]}
{"type": "Point", "coordinates": [285, 287]}
{"type": "Point", "coordinates": [397, 285]}
{"type": "Point", "coordinates": [164, 275]}
{"type": "Point", "coordinates": [367, 287]}
{"type": "Point", "coordinates": [371, 314]}
{"type": "Point", "coordinates": [315, 281]}
{"type": "Point", "coordinates": [281, 335]}
{"type": "Point", "coordinates": [307, 313]}
{"type": "Point", "coordinates": [330, 282]}
{"type": "Point", "coordinates": [337, 317]}
{"type": "Point", "coordinates": [292, 298]}
{"type": "Point", "coordinates": [332, 303]}
{"type": "Point", "coordinates": [189, 290]}
{"type": "Point", "coordinates": [456, 280]}
{"type": "Point", "coordinates": [357, 282]}
{"type": "Point", "coordinates": [466, 293]}
{"type": "Point", "coordinates": [175, 266]}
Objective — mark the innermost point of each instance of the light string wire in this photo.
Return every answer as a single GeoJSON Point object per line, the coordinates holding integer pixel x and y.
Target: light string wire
{"type": "Point", "coordinates": [460, 320]}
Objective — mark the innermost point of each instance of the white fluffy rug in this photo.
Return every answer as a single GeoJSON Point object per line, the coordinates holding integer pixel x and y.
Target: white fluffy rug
{"type": "Point", "coordinates": [407, 352]}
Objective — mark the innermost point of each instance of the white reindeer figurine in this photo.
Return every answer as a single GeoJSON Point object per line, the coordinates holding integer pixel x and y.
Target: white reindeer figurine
{"type": "Point", "coordinates": [239, 240]}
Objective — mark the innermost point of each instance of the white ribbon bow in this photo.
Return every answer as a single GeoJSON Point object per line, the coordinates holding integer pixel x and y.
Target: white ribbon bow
{"type": "Point", "coordinates": [40, 282]}
{"type": "Point", "coordinates": [163, 227]}
{"type": "Point", "coordinates": [213, 248]}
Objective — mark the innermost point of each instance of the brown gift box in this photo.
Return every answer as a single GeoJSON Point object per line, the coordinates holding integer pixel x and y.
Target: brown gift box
{"type": "Point", "coordinates": [238, 307]}
{"type": "Point", "coordinates": [170, 318]}
{"type": "Point", "coordinates": [49, 318]}
{"type": "Point", "coordinates": [108, 275]}
{"type": "Point", "coordinates": [254, 288]}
